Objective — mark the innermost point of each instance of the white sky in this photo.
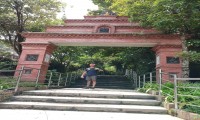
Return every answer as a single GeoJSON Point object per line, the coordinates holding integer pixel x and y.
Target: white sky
{"type": "Point", "coordinates": [76, 9]}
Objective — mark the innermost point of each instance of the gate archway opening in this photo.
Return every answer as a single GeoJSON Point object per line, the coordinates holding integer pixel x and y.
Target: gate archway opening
{"type": "Point", "coordinates": [110, 31]}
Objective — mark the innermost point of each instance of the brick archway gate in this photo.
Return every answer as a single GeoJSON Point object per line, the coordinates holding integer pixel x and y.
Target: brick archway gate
{"type": "Point", "coordinates": [99, 31]}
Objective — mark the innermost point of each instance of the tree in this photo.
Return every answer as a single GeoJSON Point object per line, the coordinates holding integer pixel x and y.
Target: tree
{"type": "Point", "coordinates": [110, 59]}
{"type": "Point", "coordinates": [4, 49]}
{"type": "Point", "coordinates": [174, 17]}
{"type": "Point", "coordinates": [181, 17]}
{"type": "Point", "coordinates": [103, 8]}
{"type": "Point", "coordinates": [121, 58]}
{"type": "Point", "coordinates": [64, 57]}
{"type": "Point", "coordinates": [17, 16]}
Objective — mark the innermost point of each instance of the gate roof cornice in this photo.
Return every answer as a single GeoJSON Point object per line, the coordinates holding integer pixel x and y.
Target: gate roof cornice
{"type": "Point", "coordinates": [96, 35]}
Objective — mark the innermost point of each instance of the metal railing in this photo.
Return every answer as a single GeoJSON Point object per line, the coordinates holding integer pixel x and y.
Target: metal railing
{"type": "Point", "coordinates": [173, 88]}
{"type": "Point", "coordinates": [162, 85]}
{"type": "Point", "coordinates": [56, 79]}
{"type": "Point", "coordinates": [147, 77]}
{"type": "Point", "coordinates": [131, 75]}
{"type": "Point", "coordinates": [7, 79]}
{"type": "Point", "coordinates": [178, 95]}
{"type": "Point", "coordinates": [16, 79]}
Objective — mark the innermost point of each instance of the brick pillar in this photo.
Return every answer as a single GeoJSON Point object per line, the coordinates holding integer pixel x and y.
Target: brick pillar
{"type": "Point", "coordinates": [168, 61]}
{"type": "Point", "coordinates": [35, 56]}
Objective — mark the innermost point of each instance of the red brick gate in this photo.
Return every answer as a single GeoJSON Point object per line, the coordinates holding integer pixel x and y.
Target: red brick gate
{"type": "Point", "coordinates": [99, 31]}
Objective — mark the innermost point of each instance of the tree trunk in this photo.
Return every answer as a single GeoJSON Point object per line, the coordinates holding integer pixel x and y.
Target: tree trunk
{"type": "Point", "coordinates": [185, 61]}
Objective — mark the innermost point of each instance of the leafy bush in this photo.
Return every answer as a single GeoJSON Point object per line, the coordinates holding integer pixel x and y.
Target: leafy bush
{"type": "Point", "coordinates": [149, 86]}
{"type": "Point", "coordinates": [6, 83]}
{"type": "Point", "coordinates": [188, 94]}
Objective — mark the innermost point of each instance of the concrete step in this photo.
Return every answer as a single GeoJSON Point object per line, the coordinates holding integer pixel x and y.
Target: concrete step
{"type": "Point", "coordinates": [85, 107]}
{"type": "Point", "coordinates": [84, 100]}
{"type": "Point", "coordinates": [95, 93]}
{"type": "Point", "coordinates": [108, 87]}
{"type": "Point", "coordinates": [92, 100]}
{"type": "Point", "coordinates": [107, 82]}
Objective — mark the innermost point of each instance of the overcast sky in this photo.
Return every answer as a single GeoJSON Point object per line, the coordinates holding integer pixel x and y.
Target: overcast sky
{"type": "Point", "coordinates": [76, 9]}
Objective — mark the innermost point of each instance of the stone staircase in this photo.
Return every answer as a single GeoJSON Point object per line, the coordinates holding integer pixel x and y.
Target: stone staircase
{"type": "Point", "coordinates": [93, 100]}
{"type": "Point", "coordinates": [107, 81]}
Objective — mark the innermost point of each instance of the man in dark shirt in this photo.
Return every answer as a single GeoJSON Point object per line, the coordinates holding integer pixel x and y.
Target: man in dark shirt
{"type": "Point", "coordinates": [91, 75]}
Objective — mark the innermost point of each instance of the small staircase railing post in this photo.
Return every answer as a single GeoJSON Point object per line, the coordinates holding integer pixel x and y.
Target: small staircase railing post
{"type": "Point", "coordinates": [136, 82]}
{"type": "Point", "coordinates": [37, 79]}
{"type": "Point", "coordinates": [150, 77]}
{"type": "Point", "coordinates": [175, 93]}
{"type": "Point", "coordinates": [133, 79]}
{"type": "Point", "coordinates": [66, 79]}
{"type": "Point", "coordinates": [49, 83]}
{"type": "Point", "coordinates": [127, 72]}
{"type": "Point", "coordinates": [139, 81]}
{"type": "Point", "coordinates": [19, 79]}
{"type": "Point", "coordinates": [59, 79]}
{"type": "Point", "coordinates": [144, 77]}
{"type": "Point", "coordinates": [131, 71]}
{"type": "Point", "coordinates": [160, 83]}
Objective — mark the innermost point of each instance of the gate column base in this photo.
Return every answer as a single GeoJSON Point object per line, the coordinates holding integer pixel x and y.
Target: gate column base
{"type": "Point", "coordinates": [168, 61]}
{"type": "Point", "coordinates": [34, 57]}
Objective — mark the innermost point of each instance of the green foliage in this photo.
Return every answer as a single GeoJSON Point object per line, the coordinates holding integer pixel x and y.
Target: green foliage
{"type": "Point", "coordinates": [111, 69]}
{"type": "Point", "coordinates": [29, 84]}
{"type": "Point", "coordinates": [4, 48]}
{"type": "Point", "coordinates": [188, 97]}
{"type": "Point", "coordinates": [94, 12]}
{"type": "Point", "coordinates": [107, 58]}
{"type": "Point", "coordinates": [194, 43]}
{"type": "Point", "coordinates": [64, 57]}
{"type": "Point", "coordinates": [180, 17]}
{"type": "Point", "coordinates": [168, 91]}
{"type": "Point", "coordinates": [193, 109]}
{"type": "Point", "coordinates": [149, 86]}
{"type": "Point", "coordinates": [102, 3]}
{"type": "Point", "coordinates": [194, 52]}
{"type": "Point", "coordinates": [17, 16]}
{"type": "Point", "coordinates": [10, 83]}
{"type": "Point", "coordinates": [7, 64]}
{"type": "Point", "coordinates": [103, 6]}
{"type": "Point", "coordinates": [7, 83]}
{"type": "Point", "coordinates": [193, 56]}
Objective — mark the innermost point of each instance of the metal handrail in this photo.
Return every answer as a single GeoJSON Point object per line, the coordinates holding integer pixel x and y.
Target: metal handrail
{"type": "Point", "coordinates": [145, 77]}
{"type": "Point", "coordinates": [20, 74]}
{"type": "Point", "coordinates": [176, 89]}
{"type": "Point", "coordinates": [142, 80]}
{"type": "Point", "coordinates": [187, 78]}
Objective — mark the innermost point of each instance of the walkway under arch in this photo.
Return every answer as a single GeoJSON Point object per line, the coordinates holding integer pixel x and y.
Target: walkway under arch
{"type": "Point", "coordinates": [99, 31]}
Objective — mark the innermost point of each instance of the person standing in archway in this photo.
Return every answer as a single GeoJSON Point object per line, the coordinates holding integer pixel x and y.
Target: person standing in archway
{"type": "Point", "coordinates": [91, 75]}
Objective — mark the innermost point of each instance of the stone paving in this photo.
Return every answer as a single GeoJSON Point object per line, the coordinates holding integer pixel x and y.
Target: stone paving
{"type": "Point", "coordinates": [16, 114]}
